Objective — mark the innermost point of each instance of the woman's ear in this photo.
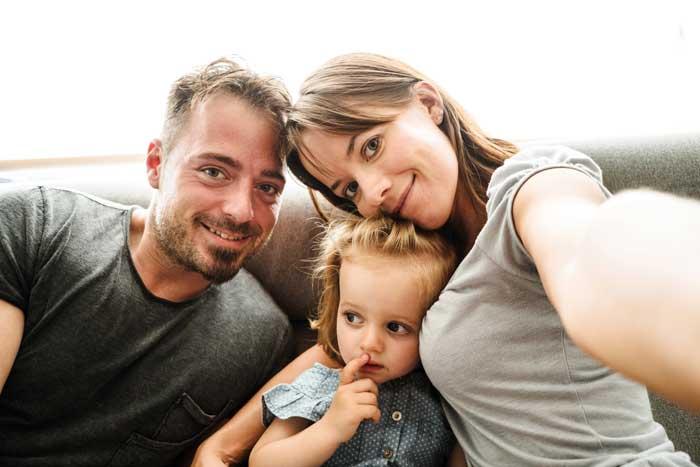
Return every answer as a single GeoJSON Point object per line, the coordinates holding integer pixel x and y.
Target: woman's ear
{"type": "Point", "coordinates": [428, 95]}
{"type": "Point", "coordinates": [154, 162]}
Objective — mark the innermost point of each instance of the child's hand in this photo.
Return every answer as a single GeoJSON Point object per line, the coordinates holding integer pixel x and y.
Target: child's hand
{"type": "Point", "coordinates": [354, 402]}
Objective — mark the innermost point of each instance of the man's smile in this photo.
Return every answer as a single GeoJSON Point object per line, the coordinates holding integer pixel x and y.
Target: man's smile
{"type": "Point", "coordinates": [227, 236]}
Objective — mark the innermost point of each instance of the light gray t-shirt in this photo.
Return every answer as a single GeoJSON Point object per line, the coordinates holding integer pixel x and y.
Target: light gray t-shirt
{"type": "Point", "coordinates": [517, 391]}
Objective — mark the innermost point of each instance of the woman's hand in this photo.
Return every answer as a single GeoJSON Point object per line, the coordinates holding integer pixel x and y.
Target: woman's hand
{"type": "Point", "coordinates": [355, 401]}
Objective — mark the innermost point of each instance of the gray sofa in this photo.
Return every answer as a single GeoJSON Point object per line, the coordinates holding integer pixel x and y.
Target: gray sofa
{"type": "Point", "coordinates": [669, 163]}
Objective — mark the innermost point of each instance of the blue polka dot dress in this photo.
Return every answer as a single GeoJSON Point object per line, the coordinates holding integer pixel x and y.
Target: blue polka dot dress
{"type": "Point", "coordinates": [413, 430]}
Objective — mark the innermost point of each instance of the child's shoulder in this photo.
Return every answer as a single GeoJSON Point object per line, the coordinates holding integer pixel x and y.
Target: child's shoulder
{"type": "Point", "coordinates": [309, 396]}
{"type": "Point", "coordinates": [319, 379]}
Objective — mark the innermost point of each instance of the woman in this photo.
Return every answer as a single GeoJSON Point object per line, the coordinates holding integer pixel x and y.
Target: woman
{"type": "Point", "coordinates": [541, 253]}
{"type": "Point", "coordinates": [554, 279]}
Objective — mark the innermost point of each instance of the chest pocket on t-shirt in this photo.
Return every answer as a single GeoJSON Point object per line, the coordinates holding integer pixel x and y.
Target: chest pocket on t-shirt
{"type": "Point", "coordinates": [184, 424]}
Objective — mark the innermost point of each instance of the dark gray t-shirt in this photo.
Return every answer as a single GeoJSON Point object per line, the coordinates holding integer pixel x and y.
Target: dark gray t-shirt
{"type": "Point", "coordinates": [107, 373]}
{"type": "Point", "coordinates": [517, 391]}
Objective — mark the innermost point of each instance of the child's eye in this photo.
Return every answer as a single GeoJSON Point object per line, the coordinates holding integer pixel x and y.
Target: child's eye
{"type": "Point", "coordinates": [352, 318]}
{"type": "Point", "coordinates": [397, 328]}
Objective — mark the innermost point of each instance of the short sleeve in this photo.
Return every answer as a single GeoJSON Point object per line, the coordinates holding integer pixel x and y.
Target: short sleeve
{"type": "Point", "coordinates": [21, 230]}
{"type": "Point", "coordinates": [499, 238]}
{"type": "Point", "coordinates": [309, 396]}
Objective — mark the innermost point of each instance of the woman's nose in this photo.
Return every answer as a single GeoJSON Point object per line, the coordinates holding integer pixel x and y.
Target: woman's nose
{"type": "Point", "coordinates": [374, 189]}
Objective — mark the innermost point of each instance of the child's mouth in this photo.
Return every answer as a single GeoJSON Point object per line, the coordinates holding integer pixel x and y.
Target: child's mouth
{"type": "Point", "coordinates": [372, 367]}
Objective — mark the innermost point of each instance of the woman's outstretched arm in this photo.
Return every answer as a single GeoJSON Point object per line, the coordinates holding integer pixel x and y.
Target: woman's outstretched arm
{"type": "Point", "coordinates": [233, 441]}
{"type": "Point", "coordinates": [623, 273]}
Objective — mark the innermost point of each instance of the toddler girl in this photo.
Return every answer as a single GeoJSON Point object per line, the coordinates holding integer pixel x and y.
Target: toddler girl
{"type": "Point", "coordinates": [379, 276]}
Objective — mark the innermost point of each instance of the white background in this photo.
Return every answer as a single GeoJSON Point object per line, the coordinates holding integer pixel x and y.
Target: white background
{"type": "Point", "coordinates": [91, 78]}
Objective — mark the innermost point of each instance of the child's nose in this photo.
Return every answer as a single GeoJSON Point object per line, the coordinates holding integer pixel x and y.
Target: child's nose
{"type": "Point", "coordinates": [371, 341]}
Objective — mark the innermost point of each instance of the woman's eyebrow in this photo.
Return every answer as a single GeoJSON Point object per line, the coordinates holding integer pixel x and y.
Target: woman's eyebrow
{"type": "Point", "coordinates": [351, 145]}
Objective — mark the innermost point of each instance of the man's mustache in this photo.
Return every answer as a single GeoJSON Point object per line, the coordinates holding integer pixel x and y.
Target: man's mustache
{"type": "Point", "coordinates": [229, 225]}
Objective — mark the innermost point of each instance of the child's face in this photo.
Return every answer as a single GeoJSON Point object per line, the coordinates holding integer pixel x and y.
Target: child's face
{"type": "Point", "coordinates": [379, 313]}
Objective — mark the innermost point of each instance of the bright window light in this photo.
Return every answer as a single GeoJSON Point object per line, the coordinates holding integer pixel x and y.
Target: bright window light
{"type": "Point", "coordinates": [90, 78]}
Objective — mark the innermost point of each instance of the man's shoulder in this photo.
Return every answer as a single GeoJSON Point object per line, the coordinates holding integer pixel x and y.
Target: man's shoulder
{"type": "Point", "coordinates": [80, 197]}
{"type": "Point", "coordinates": [57, 214]}
{"type": "Point", "coordinates": [21, 194]}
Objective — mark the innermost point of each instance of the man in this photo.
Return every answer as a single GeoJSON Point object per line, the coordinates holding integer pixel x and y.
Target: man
{"type": "Point", "coordinates": [123, 338]}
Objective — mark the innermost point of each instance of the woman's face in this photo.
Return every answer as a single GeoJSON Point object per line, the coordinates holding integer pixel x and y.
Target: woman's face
{"type": "Point", "coordinates": [405, 168]}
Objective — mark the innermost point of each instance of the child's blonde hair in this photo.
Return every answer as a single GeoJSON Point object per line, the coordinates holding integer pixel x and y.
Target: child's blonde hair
{"type": "Point", "coordinates": [431, 256]}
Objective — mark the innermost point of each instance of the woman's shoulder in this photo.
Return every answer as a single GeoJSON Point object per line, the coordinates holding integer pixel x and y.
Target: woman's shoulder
{"type": "Point", "coordinates": [498, 239]}
{"type": "Point", "coordinates": [530, 160]}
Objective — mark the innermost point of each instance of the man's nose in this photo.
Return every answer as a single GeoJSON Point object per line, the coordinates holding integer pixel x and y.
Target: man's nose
{"type": "Point", "coordinates": [239, 203]}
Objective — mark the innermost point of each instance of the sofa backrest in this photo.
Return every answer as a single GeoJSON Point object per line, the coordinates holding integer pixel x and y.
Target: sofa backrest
{"type": "Point", "coordinates": [663, 163]}
{"type": "Point", "coordinates": [670, 163]}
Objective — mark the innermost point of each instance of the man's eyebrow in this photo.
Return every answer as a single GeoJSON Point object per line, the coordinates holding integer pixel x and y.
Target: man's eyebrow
{"type": "Point", "coordinates": [277, 174]}
{"type": "Point", "coordinates": [226, 160]}
{"type": "Point", "coordinates": [234, 164]}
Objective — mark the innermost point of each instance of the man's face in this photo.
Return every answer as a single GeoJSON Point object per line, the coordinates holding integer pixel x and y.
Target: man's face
{"type": "Point", "coordinates": [219, 189]}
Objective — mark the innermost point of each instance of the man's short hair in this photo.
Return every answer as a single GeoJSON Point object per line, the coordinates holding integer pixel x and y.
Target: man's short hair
{"type": "Point", "coordinates": [264, 93]}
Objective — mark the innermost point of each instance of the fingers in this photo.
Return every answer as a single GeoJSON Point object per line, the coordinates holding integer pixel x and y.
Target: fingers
{"type": "Point", "coordinates": [363, 393]}
{"type": "Point", "coordinates": [363, 385]}
{"type": "Point", "coordinates": [363, 397]}
{"type": "Point", "coordinates": [366, 398]}
{"type": "Point", "coordinates": [347, 374]}
{"type": "Point", "coordinates": [377, 415]}
{"type": "Point", "coordinates": [370, 412]}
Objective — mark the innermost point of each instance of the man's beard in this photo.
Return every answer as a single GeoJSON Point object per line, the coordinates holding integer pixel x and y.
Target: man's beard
{"type": "Point", "coordinates": [223, 263]}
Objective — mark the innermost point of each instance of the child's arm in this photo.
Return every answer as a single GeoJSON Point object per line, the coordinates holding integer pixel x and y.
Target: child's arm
{"type": "Point", "coordinates": [457, 458]}
{"type": "Point", "coordinates": [232, 442]}
{"type": "Point", "coordinates": [291, 443]}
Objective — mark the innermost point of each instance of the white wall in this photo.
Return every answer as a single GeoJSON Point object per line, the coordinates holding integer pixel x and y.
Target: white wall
{"type": "Point", "coordinates": [91, 77]}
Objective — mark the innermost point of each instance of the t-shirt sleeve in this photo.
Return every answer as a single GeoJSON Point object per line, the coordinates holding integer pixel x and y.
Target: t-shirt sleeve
{"type": "Point", "coordinates": [309, 396]}
{"type": "Point", "coordinates": [21, 230]}
{"type": "Point", "coordinates": [499, 239]}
